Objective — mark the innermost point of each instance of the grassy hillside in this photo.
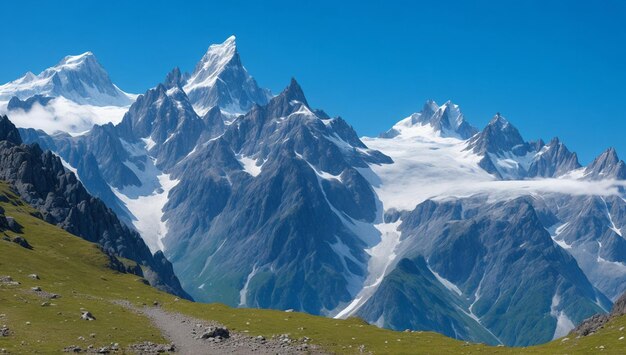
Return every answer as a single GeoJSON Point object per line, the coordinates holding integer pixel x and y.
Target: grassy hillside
{"type": "Point", "coordinates": [76, 270]}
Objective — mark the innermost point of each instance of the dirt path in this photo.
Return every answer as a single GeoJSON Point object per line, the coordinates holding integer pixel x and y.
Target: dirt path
{"type": "Point", "coordinates": [185, 333]}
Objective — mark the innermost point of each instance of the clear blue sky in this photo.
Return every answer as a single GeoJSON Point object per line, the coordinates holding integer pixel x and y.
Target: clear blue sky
{"type": "Point", "coordinates": [551, 67]}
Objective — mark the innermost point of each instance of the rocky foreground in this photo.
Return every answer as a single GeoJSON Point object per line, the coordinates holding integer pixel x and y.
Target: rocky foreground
{"type": "Point", "coordinates": [593, 324]}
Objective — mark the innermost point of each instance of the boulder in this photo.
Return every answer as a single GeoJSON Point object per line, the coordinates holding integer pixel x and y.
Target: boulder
{"type": "Point", "coordinates": [86, 315]}
{"type": "Point", "coordinates": [8, 280]}
{"type": "Point", "coordinates": [21, 241]}
{"type": "Point", "coordinates": [13, 225]}
{"type": "Point", "coordinates": [215, 332]}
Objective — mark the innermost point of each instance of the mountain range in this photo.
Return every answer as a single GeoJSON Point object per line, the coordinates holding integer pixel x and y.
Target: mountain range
{"type": "Point", "coordinates": [262, 200]}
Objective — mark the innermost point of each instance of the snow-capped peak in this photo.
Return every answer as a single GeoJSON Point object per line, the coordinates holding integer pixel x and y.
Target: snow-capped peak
{"type": "Point", "coordinates": [78, 78]}
{"type": "Point", "coordinates": [446, 119]}
{"type": "Point", "coordinates": [214, 61]}
{"type": "Point", "coordinates": [76, 61]}
{"type": "Point", "coordinates": [220, 79]}
{"type": "Point", "coordinates": [499, 121]}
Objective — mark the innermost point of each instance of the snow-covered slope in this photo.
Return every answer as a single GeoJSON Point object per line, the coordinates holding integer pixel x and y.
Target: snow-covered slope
{"type": "Point", "coordinates": [82, 95]}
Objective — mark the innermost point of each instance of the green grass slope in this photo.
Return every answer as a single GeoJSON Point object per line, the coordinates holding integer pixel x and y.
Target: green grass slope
{"type": "Point", "coordinates": [78, 272]}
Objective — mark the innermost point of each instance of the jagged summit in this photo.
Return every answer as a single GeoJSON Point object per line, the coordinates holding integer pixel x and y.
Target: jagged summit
{"type": "Point", "coordinates": [294, 92]}
{"type": "Point", "coordinates": [606, 166]}
{"type": "Point", "coordinates": [498, 136]}
{"type": "Point", "coordinates": [214, 61]}
{"type": "Point", "coordinates": [446, 119]}
{"type": "Point", "coordinates": [220, 79]}
{"type": "Point", "coordinates": [174, 79]}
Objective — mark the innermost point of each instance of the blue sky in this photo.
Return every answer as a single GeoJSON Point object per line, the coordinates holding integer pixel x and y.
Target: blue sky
{"type": "Point", "coordinates": [551, 67]}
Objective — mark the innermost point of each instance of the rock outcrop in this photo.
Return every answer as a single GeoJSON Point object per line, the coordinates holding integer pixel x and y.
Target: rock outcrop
{"type": "Point", "coordinates": [40, 179]}
{"type": "Point", "coordinates": [597, 321]}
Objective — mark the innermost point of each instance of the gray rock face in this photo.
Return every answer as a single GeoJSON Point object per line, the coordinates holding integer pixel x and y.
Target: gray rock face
{"type": "Point", "coordinates": [553, 160]}
{"type": "Point", "coordinates": [606, 166]}
{"type": "Point", "coordinates": [589, 228]}
{"type": "Point", "coordinates": [507, 156]}
{"type": "Point", "coordinates": [165, 117]}
{"type": "Point", "coordinates": [220, 79]}
{"type": "Point", "coordinates": [41, 180]}
{"type": "Point", "coordinates": [513, 279]}
{"type": "Point", "coordinates": [302, 171]}
{"type": "Point", "coordinates": [499, 136]}
{"type": "Point", "coordinates": [15, 103]}
{"type": "Point", "coordinates": [619, 307]}
{"type": "Point", "coordinates": [411, 297]}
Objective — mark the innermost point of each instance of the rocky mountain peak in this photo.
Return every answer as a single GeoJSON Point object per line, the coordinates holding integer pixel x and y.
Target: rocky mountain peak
{"type": "Point", "coordinates": [215, 60]}
{"type": "Point", "coordinates": [220, 79]}
{"type": "Point", "coordinates": [498, 136]}
{"type": "Point", "coordinates": [79, 78]}
{"type": "Point", "coordinates": [8, 131]}
{"type": "Point", "coordinates": [174, 79]}
{"type": "Point", "coordinates": [294, 92]}
{"type": "Point", "coordinates": [446, 119]}
{"type": "Point", "coordinates": [606, 165]}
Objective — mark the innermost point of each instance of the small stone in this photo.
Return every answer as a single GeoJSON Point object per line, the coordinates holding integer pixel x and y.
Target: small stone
{"type": "Point", "coordinates": [92, 335]}
{"type": "Point", "coordinates": [81, 338]}
{"type": "Point", "coordinates": [27, 323]}
{"type": "Point", "coordinates": [289, 310]}
{"type": "Point", "coordinates": [621, 338]}
{"type": "Point", "coordinates": [34, 276]}
{"type": "Point", "coordinates": [564, 339]}
{"type": "Point", "coordinates": [36, 288]}
{"type": "Point", "coordinates": [45, 304]}
{"type": "Point", "coordinates": [72, 349]}
{"type": "Point", "coordinates": [86, 315]}
{"type": "Point", "coordinates": [155, 303]}
{"type": "Point", "coordinates": [4, 331]}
